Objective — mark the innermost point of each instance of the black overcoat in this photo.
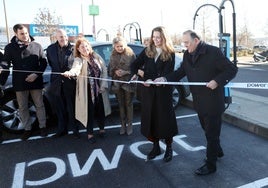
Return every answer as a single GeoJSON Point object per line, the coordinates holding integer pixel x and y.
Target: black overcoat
{"type": "Point", "coordinates": [158, 118]}
{"type": "Point", "coordinates": [208, 63]}
{"type": "Point", "coordinates": [56, 80]}
{"type": "Point", "coordinates": [25, 60]}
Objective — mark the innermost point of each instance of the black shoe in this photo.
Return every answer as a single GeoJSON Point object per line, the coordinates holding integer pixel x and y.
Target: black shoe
{"type": "Point", "coordinates": [92, 140]}
{"type": "Point", "coordinates": [43, 132]}
{"type": "Point", "coordinates": [26, 135]}
{"type": "Point", "coordinates": [205, 170]}
{"type": "Point", "coordinates": [155, 151]}
{"type": "Point", "coordinates": [168, 154]}
{"type": "Point", "coordinates": [58, 135]}
{"type": "Point", "coordinates": [220, 154]}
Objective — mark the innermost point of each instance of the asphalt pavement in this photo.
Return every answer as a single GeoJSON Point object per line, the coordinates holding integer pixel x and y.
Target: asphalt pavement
{"type": "Point", "coordinates": [247, 111]}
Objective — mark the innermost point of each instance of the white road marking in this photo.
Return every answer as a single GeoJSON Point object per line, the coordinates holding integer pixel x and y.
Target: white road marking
{"type": "Point", "coordinates": [84, 130]}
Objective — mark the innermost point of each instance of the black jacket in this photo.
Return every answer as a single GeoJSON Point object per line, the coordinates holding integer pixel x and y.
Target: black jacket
{"type": "Point", "coordinates": [2, 77]}
{"type": "Point", "coordinates": [56, 80]}
{"type": "Point", "coordinates": [25, 60]}
{"type": "Point", "coordinates": [157, 113]}
{"type": "Point", "coordinates": [208, 63]}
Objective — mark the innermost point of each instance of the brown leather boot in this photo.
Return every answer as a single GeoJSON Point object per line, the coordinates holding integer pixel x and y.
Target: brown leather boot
{"type": "Point", "coordinates": [122, 129]}
{"type": "Point", "coordinates": [129, 129]}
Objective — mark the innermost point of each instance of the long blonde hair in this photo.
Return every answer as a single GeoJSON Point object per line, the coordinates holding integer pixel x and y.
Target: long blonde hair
{"type": "Point", "coordinates": [167, 46]}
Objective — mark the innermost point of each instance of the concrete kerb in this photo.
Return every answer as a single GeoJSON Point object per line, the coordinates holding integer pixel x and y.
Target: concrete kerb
{"type": "Point", "coordinates": [246, 112]}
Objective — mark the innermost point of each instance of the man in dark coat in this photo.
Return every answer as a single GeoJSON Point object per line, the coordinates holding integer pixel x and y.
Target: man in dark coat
{"type": "Point", "coordinates": [206, 63]}
{"type": "Point", "coordinates": [62, 89]}
{"type": "Point", "coordinates": [29, 63]}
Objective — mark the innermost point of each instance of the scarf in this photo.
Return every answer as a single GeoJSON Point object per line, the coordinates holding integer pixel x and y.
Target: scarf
{"type": "Point", "coordinates": [93, 71]}
{"type": "Point", "coordinates": [22, 44]}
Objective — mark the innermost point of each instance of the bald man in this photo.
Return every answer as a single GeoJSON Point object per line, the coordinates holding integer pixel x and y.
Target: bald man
{"type": "Point", "coordinates": [60, 58]}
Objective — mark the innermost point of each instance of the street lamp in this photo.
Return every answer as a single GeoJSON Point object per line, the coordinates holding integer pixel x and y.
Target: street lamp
{"type": "Point", "coordinates": [220, 18]}
{"type": "Point", "coordinates": [234, 27]}
{"type": "Point", "coordinates": [106, 33]}
{"type": "Point", "coordinates": [128, 24]}
{"type": "Point", "coordinates": [200, 8]}
{"type": "Point", "coordinates": [135, 25]}
{"type": "Point", "coordinates": [137, 31]}
{"type": "Point", "coordinates": [130, 27]}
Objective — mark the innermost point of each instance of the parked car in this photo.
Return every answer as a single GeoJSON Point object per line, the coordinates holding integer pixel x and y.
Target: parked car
{"type": "Point", "coordinates": [104, 49]}
{"type": "Point", "coordinates": [180, 48]}
{"type": "Point", "coordinates": [260, 48]}
{"type": "Point", "coordinates": [9, 107]}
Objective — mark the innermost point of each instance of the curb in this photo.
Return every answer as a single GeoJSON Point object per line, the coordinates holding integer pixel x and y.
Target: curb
{"type": "Point", "coordinates": [237, 120]}
{"type": "Point", "coordinates": [245, 124]}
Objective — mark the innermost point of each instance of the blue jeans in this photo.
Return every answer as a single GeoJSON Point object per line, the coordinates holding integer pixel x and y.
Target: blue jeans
{"type": "Point", "coordinates": [24, 111]}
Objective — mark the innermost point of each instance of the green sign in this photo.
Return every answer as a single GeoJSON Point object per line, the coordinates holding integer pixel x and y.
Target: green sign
{"type": "Point", "coordinates": [93, 10]}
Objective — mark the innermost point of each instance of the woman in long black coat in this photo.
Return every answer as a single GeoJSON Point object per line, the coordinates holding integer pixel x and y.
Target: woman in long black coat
{"type": "Point", "coordinates": [158, 120]}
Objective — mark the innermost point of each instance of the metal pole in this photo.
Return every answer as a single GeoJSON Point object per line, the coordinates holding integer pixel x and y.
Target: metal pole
{"type": "Point", "coordinates": [82, 18]}
{"type": "Point", "coordinates": [200, 8]}
{"type": "Point", "coordinates": [140, 36]}
{"type": "Point", "coordinates": [234, 28]}
{"type": "Point", "coordinates": [234, 38]}
{"type": "Point", "coordinates": [93, 27]}
{"type": "Point", "coordinates": [139, 30]}
{"type": "Point", "coordinates": [7, 29]}
{"type": "Point", "coordinates": [130, 27]}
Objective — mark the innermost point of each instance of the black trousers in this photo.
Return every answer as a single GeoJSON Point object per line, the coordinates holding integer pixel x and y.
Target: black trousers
{"type": "Point", "coordinates": [65, 108]}
{"type": "Point", "coordinates": [95, 111]}
{"type": "Point", "coordinates": [211, 124]}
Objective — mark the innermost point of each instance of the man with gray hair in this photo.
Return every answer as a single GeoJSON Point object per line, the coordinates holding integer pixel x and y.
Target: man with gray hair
{"type": "Point", "coordinates": [205, 63]}
{"type": "Point", "coordinates": [60, 58]}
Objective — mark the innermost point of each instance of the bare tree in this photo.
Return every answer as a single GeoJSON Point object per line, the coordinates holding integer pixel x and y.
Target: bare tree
{"type": "Point", "coordinates": [176, 39]}
{"type": "Point", "coordinates": [244, 37]}
{"type": "Point", "coordinates": [48, 22]}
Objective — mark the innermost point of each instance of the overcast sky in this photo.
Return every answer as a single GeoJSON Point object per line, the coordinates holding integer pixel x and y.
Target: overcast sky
{"type": "Point", "coordinates": [175, 15]}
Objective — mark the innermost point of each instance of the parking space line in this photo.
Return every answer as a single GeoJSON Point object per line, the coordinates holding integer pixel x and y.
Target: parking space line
{"type": "Point", "coordinates": [84, 130]}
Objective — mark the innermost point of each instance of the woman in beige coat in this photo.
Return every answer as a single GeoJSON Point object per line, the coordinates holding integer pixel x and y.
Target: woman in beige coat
{"type": "Point", "coordinates": [91, 91]}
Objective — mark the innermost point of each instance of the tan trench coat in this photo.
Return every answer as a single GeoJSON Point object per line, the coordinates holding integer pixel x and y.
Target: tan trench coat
{"type": "Point", "coordinates": [79, 69]}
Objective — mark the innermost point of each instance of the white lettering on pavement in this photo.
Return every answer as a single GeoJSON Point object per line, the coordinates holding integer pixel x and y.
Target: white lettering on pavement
{"type": "Point", "coordinates": [186, 146]}
{"type": "Point", "coordinates": [256, 184]}
{"type": "Point", "coordinates": [77, 170]}
{"type": "Point", "coordinates": [97, 153]}
{"type": "Point", "coordinates": [20, 171]}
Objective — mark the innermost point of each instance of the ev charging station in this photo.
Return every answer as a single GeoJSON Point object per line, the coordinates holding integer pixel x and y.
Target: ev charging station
{"type": "Point", "coordinates": [224, 40]}
{"type": "Point", "coordinates": [224, 44]}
